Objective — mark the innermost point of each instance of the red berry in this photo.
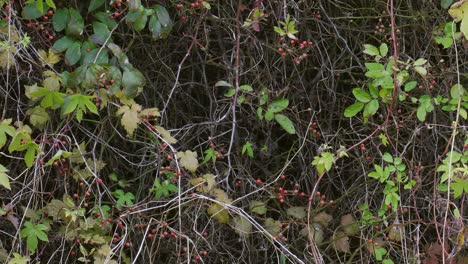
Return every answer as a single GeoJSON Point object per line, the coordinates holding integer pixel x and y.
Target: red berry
{"type": "Point", "coordinates": [127, 244]}
{"type": "Point", "coordinates": [150, 236]}
{"type": "Point", "coordinates": [303, 194]}
{"type": "Point", "coordinates": [99, 181]}
{"type": "Point", "coordinates": [283, 177]}
{"type": "Point", "coordinates": [45, 18]}
{"type": "Point", "coordinates": [116, 14]}
{"type": "Point", "coordinates": [258, 181]}
{"type": "Point", "coordinates": [179, 6]}
{"type": "Point", "coordinates": [50, 12]}
{"type": "Point", "coordinates": [75, 196]}
{"type": "Point", "coordinates": [55, 164]}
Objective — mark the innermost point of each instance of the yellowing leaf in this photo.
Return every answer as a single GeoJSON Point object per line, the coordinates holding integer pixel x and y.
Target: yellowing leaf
{"type": "Point", "coordinates": [316, 230]}
{"type": "Point", "coordinates": [38, 117]}
{"type": "Point", "coordinates": [208, 183]}
{"type": "Point", "coordinates": [396, 232]}
{"type": "Point", "coordinates": [272, 226]}
{"type": "Point", "coordinates": [218, 213]}
{"type": "Point", "coordinates": [50, 58]}
{"type": "Point", "coordinates": [129, 119]}
{"type": "Point", "coordinates": [166, 135]}
{"type": "Point", "coordinates": [188, 160]}
{"type": "Point", "coordinates": [52, 82]}
{"type": "Point", "coordinates": [459, 12]}
{"type": "Point", "coordinates": [150, 112]}
{"type": "Point", "coordinates": [7, 55]}
{"type": "Point", "coordinates": [4, 180]}
{"type": "Point", "coordinates": [221, 196]}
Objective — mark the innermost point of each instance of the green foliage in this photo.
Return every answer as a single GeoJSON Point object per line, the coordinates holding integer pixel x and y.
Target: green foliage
{"type": "Point", "coordinates": [79, 103]}
{"type": "Point", "coordinates": [210, 154]}
{"type": "Point", "coordinates": [247, 149]}
{"type": "Point", "coordinates": [459, 13]}
{"type": "Point", "coordinates": [163, 189]}
{"type": "Point", "coordinates": [323, 163]}
{"type": "Point", "coordinates": [288, 28]}
{"type": "Point", "coordinates": [4, 179]}
{"type": "Point", "coordinates": [33, 233]}
{"type": "Point", "coordinates": [123, 198]}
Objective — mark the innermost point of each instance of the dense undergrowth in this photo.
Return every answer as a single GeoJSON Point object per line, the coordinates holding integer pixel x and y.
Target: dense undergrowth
{"type": "Point", "coordinates": [233, 132]}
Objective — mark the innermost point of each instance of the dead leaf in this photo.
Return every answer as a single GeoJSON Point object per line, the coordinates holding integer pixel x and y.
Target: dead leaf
{"type": "Point", "coordinates": [341, 242]}
{"type": "Point", "coordinates": [50, 58]}
{"type": "Point", "coordinates": [298, 212]}
{"type": "Point", "coordinates": [129, 118]}
{"type": "Point", "coordinates": [322, 218]}
{"type": "Point", "coordinates": [242, 226]}
{"type": "Point", "coordinates": [349, 224]}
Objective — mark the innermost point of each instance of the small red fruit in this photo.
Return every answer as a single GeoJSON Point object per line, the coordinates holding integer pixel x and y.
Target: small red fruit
{"type": "Point", "coordinates": [75, 196]}
{"type": "Point", "coordinates": [127, 244]}
{"type": "Point", "coordinates": [55, 164]}
{"type": "Point", "coordinates": [50, 12]}
{"type": "Point", "coordinates": [150, 236]}
{"type": "Point", "coordinates": [179, 6]}
{"type": "Point", "coordinates": [45, 18]}
{"type": "Point", "coordinates": [258, 181]}
{"type": "Point", "coordinates": [99, 181]}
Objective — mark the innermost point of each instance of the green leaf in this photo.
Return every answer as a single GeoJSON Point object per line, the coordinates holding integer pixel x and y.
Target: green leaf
{"type": "Point", "coordinates": [101, 33]}
{"type": "Point", "coordinates": [459, 13]}
{"type": "Point", "coordinates": [30, 154]}
{"type": "Point", "coordinates": [132, 81]}
{"type": "Point", "coordinates": [269, 116]}
{"type": "Point", "coordinates": [4, 179]}
{"type": "Point", "coordinates": [40, 5]}
{"type": "Point", "coordinates": [246, 88]}
{"type": "Point", "coordinates": [105, 18]}
{"type": "Point", "coordinates": [247, 148]}
{"type": "Point", "coordinates": [61, 19]}
{"type": "Point", "coordinates": [387, 157]}
{"type": "Point", "coordinates": [38, 116]}
{"type": "Point", "coordinates": [210, 154]}
{"type": "Point", "coordinates": [260, 113]}
{"type": "Point", "coordinates": [446, 42]}
{"type": "Point", "coordinates": [75, 25]}
{"type": "Point", "coordinates": [379, 253]}
{"type": "Point", "coordinates": [297, 212]}
{"type": "Point", "coordinates": [278, 105]}
{"type": "Point", "coordinates": [19, 259]}
{"type": "Point", "coordinates": [81, 103]}
{"type": "Point", "coordinates": [73, 54]}
{"type": "Point", "coordinates": [421, 70]}
{"type": "Point", "coordinates": [31, 12]}
{"type": "Point", "coordinates": [6, 129]}
{"type": "Point", "coordinates": [372, 107]}
{"type": "Point", "coordinates": [123, 198]}
{"type": "Point", "coordinates": [242, 225]}
{"type": "Point", "coordinates": [459, 187]}
{"type": "Point", "coordinates": [371, 50]}
{"type": "Point", "coordinates": [383, 49]}
{"type": "Point", "coordinates": [95, 4]}
{"type": "Point", "coordinates": [51, 99]}
{"type": "Point", "coordinates": [51, 4]}
{"type": "Point", "coordinates": [410, 86]}
{"type": "Point", "coordinates": [230, 92]}
{"type": "Point", "coordinates": [376, 67]}
{"type": "Point", "coordinates": [420, 62]}
{"type": "Point", "coordinates": [258, 207]}
{"type": "Point", "coordinates": [33, 233]}
{"type": "Point", "coordinates": [63, 44]}
{"type": "Point", "coordinates": [222, 84]}
{"type": "Point", "coordinates": [353, 109]}
{"type": "Point", "coordinates": [445, 4]}
{"type": "Point", "coordinates": [285, 123]}
{"type": "Point", "coordinates": [361, 95]}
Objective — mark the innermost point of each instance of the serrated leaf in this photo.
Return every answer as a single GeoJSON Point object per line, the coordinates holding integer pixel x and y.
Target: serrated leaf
{"type": "Point", "coordinates": [6, 129]}
{"type": "Point", "coordinates": [188, 160]}
{"type": "Point", "coordinates": [50, 58]}
{"type": "Point", "coordinates": [459, 12]}
{"type": "Point", "coordinates": [63, 43]}
{"type": "Point", "coordinates": [285, 123]}
{"type": "Point", "coordinates": [272, 226]}
{"type": "Point", "coordinates": [33, 233]}
{"type": "Point", "coordinates": [129, 119]}
{"type": "Point", "coordinates": [247, 148]}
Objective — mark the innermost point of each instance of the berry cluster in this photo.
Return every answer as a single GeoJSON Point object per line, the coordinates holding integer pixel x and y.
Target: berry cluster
{"type": "Point", "coordinates": [295, 48]}
{"type": "Point", "coordinates": [43, 26]}
{"type": "Point", "coordinates": [314, 129]}
{"type": "Point", "coordinates": [191, 8]}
